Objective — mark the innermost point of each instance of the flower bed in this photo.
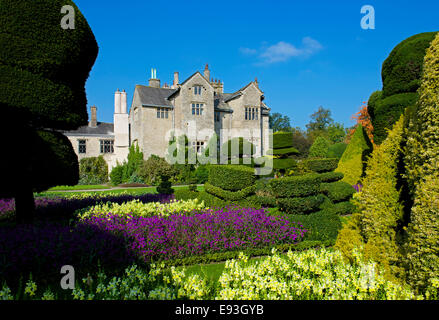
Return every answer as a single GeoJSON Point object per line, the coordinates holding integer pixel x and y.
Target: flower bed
{"type": "Point", "coordinates": [210, 231]}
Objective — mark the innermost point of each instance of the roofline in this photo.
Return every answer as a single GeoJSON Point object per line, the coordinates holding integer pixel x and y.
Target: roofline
{"type": "Point", "coordinates": [110, 135]}
{"type": "Point", "coordinates": [156, 106]}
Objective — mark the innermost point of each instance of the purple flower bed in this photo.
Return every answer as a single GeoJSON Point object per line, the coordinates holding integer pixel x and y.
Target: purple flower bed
{"type": "Point", "coordinates": [64, 207]}
{"type": "Point", "coordinates": [42, 249]}
{"type": "Point", "coordinates": [177, 236]}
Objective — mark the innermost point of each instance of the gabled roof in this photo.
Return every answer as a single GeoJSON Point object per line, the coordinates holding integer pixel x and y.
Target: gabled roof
{"type": "Point", "coordinates": [184, 82]}
{"type": "Point", "coordinates": [102, 128]}
{"type": "Point", "coordinates": [154, 97]}
{"type": "Point", "coordinates": [239, 93]}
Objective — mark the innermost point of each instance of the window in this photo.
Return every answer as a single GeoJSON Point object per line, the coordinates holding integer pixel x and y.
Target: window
{"type": "Point", "coordinates": [251, 113]}
{"type": "Point", "coordinates": [198, 146]}
{"type": "Point", "coordinates": [82, 146]}
{"type": "Point", "coordinates": [197, 90]}
{"type": "Point", "coordinates": [197, 109]}
{"type": "Point", "coordinates": [107, 146]}
{"type": "Point", "coordinates": [162, 113]}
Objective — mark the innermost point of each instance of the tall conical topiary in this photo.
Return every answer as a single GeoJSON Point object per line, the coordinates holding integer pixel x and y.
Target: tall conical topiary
{"type": "Point", "coordinates": [353, 161]}
{"type": "Point", "coordinates": [422, 166]}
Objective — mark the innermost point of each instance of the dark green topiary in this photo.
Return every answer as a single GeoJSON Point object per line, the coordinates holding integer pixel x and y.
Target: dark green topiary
{"type": "Point", "coordinates": [282, 151]}
{"type": "Point", "coordinates": [321, 165]}
{"type": "Point", "coordinates": [319, 148]}
{"type": "Point", "coordinates": [282, 140]}
{"type": "Point", "coordinates": [301, 205]}
{"type": "Point", "coordinates": [165, 186]}
{"type": "Point", "coordinates": [337, 191]}
{"type": "Point", "coordinates": [43, 70]}
{"type": "Point", "coordinates": [336, 150]}
{"type": "Point", "coordinates": [401, 75]}
{"type": "Point", "coordinates": [231, 177]}
{"type": "Point", "coordinates": [295, 186]}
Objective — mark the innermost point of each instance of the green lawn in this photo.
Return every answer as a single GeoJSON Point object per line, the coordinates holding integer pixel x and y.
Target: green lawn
{"type": "Point", "coordinates": [80, 187]}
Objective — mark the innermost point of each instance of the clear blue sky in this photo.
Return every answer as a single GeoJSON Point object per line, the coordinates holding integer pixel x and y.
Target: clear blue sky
{"type": "Point", "coordinates": [305, 54]}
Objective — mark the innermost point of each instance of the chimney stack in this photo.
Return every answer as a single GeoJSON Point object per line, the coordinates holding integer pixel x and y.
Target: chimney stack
{"type": "Point", "coordinates": [207, 72]}
{"type": "Point", "coordinates": [123, 102]}
{"type": "Point", "coordinates": [94, 119]}
{"type": "Point", "coordinates": [117, 101]}
{"type": "Point", "coordinates": [154, 82]}
{"type": "Point", "coordinates": [176, 81]}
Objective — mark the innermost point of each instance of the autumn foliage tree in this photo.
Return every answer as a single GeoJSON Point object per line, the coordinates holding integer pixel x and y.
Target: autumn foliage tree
{"type": "Point", "coordinates": [362, 117]}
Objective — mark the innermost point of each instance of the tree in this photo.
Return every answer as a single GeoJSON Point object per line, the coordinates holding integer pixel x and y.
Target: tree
{"type": "Point", "coordinates": [362, 117]}
{"type": "Point", "coordinates": [43, 70]}
{"type": "Point", "coordinates": [151, 170]}
{"type": "Point", "coordinates": [301, 142]}
{"type": "Point", "coordinates": [319, 148]}
{"type": "Point", "coordinates": [93, 170]}
{"type": "Point", "coordinates": [336, 132]}
{"type": "Point", "coordinates": [320, 120]}
{"type": "Point", "coordinates": [134, 161]}
{"type": "Point", "coordinates": [278, 122]}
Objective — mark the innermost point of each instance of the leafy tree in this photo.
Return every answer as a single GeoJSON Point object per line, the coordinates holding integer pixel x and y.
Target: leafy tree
{"type": "Point", "coordinates": [362, 117]}
{"type": "Point", "coordinates": [151, 170]}
{"type": "Point", "coordinates": [320, 120]}
{"type": "Point", "coordinates": [279, 122]}
{"type": "Point", "coordinates": [301, 142]}
{"type": "Point", "coordinates": [336, 132]}
{"type": "Point", "coordinates": [43, 70]}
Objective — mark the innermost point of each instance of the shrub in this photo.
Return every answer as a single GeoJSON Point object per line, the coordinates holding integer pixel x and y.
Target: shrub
{"type": "Point", "coordinates": [282, 151]}
{"type": "Point", "coordinates": [202, 174]}
{"type": "Point", "coordinates": [379, 212]}
{"type": "Point", "coordinates": [282, 164]}
{"type": "Point", "coordinates": [422, 164]}
{"type": "Point", "coordinates": [116, 175]}
{"type": "Point", "coordinates": [134, 161]}
{"type": "Point", "coordinates": [181, 194]}
{"type": "Point", "coordinates": [231, 177]}
{"type": "Point", "coordinates": [336, 150]}
{"type": "Point", "coordinates": [352, 163]}
{"type": "Point", "coordinates": [344, 208]}
{"type": "Point", "coordinates": [300, 205]}
{"type": "Point", "coordinates": [295, 186]}
{"type": "Point", "coordinates": [319, 148]}
{"type": "Point", "coordinates": [331, 176]}
{"type": "Point", "coordinates": [151, 170]}
{"type": "Point", "coordinates": [93, 170]}
{"type": "Point", "coordinates": [282, 140]}
{"type": "Point", "coordinates": [337, 191]}
{"type": "Point", "coordinates": [322, 225]}
{"type": "Point", "coordinates": [321, 165]}
{"type": "Point", "coordinates": [401, 74]}
{"type": "Point", "coordinates": [192, 187]}
{"type": "Point", "coordinates": [229, 195]}
{"type": "Point", "coordinates": [165, 186]}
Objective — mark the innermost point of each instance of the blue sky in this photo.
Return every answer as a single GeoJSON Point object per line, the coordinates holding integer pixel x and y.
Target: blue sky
{"type": "Point", "coordinates": [305, 54]}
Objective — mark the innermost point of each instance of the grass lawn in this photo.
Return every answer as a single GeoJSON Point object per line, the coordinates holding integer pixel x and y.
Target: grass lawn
{"type": "Point", "coordinates": [133, 190]}
{"type": "Point", "coordinates": [80, 187]}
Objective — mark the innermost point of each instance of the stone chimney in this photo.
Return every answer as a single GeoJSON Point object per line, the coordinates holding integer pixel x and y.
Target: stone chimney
{"type": "Point", "coordinates": [94, 119]}
{"type": "Point", "coordinates": [123, 102]}
{"type": "Point", "coordinates": [207, 72]}
{"type": "Point", "coordinates": [154, 82]}
{"type": "Point", "coordinates": [256, 82]}
{"type": "Point", "coordinates": [176, 81]}
{"type": "Point", "coordinates": [117, 100]}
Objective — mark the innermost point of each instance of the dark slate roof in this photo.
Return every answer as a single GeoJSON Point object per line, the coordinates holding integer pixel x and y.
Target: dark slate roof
{"type": "Point", "coordinates": [102, 128]}
{"type": "Point", "coordinates": [155, 97]}
{"type": "Point", "coordinates": [219, 104]}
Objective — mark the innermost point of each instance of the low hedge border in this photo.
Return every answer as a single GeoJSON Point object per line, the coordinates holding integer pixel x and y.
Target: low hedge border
{"type": "Point", "coordinates": [301, 205]}
{"type": "Point", "coordinates": [282, 151]}
{"type": "Point", "coordinates": [295, 186]}
{"type": "Point", "coordinates": [229, 195]}
{"type": "Point", "coordinates": [337, 191]}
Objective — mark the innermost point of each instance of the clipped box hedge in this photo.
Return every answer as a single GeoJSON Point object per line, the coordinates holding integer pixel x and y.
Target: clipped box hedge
{"type": "Point", "coordinates": [331, 176]}
{"type": "Point", "coordinates": [282, 151]}
{"type": "Point", "coordinates": [295, 186]}
{"type": "Point", "coordinates": [231, 177]}
{"type": "Point", "coordinates": [229, 195]}
{"type": "Point", "coordinates": [337, 191]}
{"type": "Point", "coordinates": [284, 163]}
{"type": "Point", "coordinates": [282, 140]}
{"type": "Point", "coordinates": [344, 208]}
{"type": "Point", "coordinates": [321, 165]}
{"type": "Point", "coordinates": [301, 205]}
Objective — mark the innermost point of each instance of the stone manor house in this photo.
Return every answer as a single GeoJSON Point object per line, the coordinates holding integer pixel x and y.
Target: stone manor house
{"type": "Point", "coordinates": [197, 107]}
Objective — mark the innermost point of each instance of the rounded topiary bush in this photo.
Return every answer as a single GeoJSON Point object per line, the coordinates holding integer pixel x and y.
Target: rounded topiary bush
{"type": "Point", "coordinates": [321, 165]}
{"type": "Point", "coordinates": [231, 177]}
